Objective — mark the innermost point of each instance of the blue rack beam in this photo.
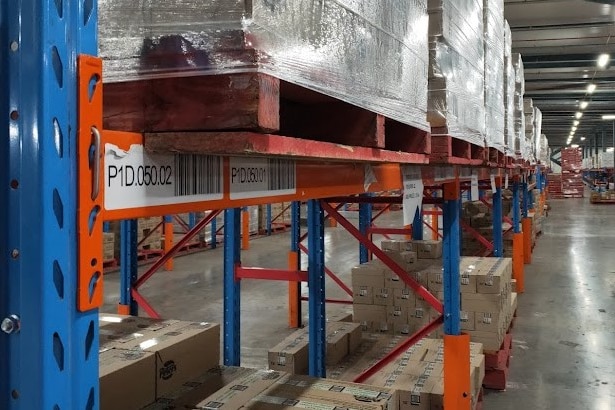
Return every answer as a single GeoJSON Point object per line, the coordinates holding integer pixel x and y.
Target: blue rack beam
{"type": "Point", "coordinates": [417, 224]}
{"type": "Point", "coordinates": [365, 222]}
{"type": "Point", "coordinates": [498, 234]}
{"type": "Point", "coordinates": [51, 360]}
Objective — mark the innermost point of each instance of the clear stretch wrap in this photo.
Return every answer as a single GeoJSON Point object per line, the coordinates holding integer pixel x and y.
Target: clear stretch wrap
{"type": "Point", "coordinates": [518, 116]}
{"type": "Point", "coordinates": [493, 20]}
{"type": "Point", "coordinates": [530, 129]}
{"type": "Point", "coordinates": [456, 69]}
{"type": "Point", "coordinates": [537, 133]}
{"type": "Point", "coordinates": [509, 93]}
{"type": "Point", "coordinates": [543, 153]}
{"type": "Point", "coordinates": [370, 53]}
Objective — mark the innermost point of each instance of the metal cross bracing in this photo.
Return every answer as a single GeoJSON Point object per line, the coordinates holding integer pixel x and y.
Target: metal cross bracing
{"type": "Point", "coordinates": [49, 338]}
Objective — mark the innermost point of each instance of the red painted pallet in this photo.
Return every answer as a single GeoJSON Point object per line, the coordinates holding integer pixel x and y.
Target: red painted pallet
{"type": "Point", "coordinates": [446, 149]}
{"type": "Point", "coordinates": [110, 264]}
{"type": "Point", "coordinates": [496, 158]}
{"type": "Point", "coordinates": [241, 104]}
{"type": "Point", "coordinates": [497, 365]}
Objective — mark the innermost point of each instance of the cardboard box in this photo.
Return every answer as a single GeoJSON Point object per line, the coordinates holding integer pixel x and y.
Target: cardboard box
{"type": "Point", "coordinates": [467, 319]}
{"type": "Point", "coordinates": [404, 329]}
{"type": "Point", "coordinates": [404, 297]}
{"type": "Point", "coordinates": [397, 315]}
{"type": "Point", "coordinates": [496, 277]}
{"type": "Point", "coordinates": [241, 391]}
{"type": "Point", "coordinates": [428, 249]}
{"type": "Point", "coordinates": [402, 258]}
{"type": "Point", "coordinates": [126, 332]}
{"type": "Point", "coordinates": [481, 302]}
{"type": "Point", "coordinates": [414, 392]}
{"type": "Point", "coordinates": [478, 363]}
{"type": "Point", "coordinates": [345, 316]}
{"type": "Point", "coordinates": [513, 302]}
{"type": "Point", "coordinates": [291, 354]}
{"type": "Point", "coordinates": [337, 345]}
{"type": "Point", "coordinates": [491, 341]}
{"type": "Point", "coordinates": [363, 295]}
{"type": "Point", "coordinates": [393, 281]}
{"type": "Point", "coordinates": [489, 321]}
{"type": "Point", "coordinates": [371, 313]}
{"type": "Point", "coordinates": [196, 390]}
{"type": "Point", "coordinates": [369, 274]}
{"type": "Point", "coordinates": [183, 351]}
{"type": "Point", "coordinates": [383, 296]}
{"type": "Point", "coordinates": [397, 245]}
{"type": "Point", "coordinates": [126, 370]}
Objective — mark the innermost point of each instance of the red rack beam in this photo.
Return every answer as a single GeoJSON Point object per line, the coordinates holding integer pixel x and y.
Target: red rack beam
{"type": "Point", "coordinates": [477, 235]}
{"type": "Point", "coordinates": [271, 274]}
{"type": "Point", "coordinates": [150, 233]}
{"type": "Point", "coordinates": [330, 273]}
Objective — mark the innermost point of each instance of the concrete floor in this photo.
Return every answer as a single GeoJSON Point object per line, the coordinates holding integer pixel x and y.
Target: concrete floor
{"type": "Point", "coordinates": [564, 337]}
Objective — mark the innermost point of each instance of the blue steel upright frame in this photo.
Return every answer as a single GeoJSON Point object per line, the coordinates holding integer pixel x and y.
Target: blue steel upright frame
{"type": "Point", "coordinates": [48, 349]}
{"type": "Point", "coordinates": [316, 284]}
{"type": "Point", "coordinates": [232, 289]}
{"type": "Point", "coordinates": [128, 264]}
{"type": "Point", "coordinates": [451, 251]}
{"type": "Point", "coordinates": [417, 224]}
{"type": "Point", "coordinates": [516, 208]}
{"type": "Point", "coordinates": [365, 222]}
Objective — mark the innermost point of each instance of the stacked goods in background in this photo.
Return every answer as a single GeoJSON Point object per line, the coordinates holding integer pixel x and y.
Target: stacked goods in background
{"type": "Point", "coordinates": [235, 387]}
{"type": "Point", "coordinates": [568, 184]}
{"type": "Point", "coordinates": [280, 216]}
{"type": "Point", "coordinates": [479, 217]}
{"type": "Point", "coordinates": [535, 141]}
{"type": "Point", "coordinates": [382, 302]}
{"type": "Point", "coordinates": [529, 112]}
{"type": "Point", "coordinates": [509, 93]}
{"type": "Point", "coordinates": [518, 113]}
{"type": "Point", "coordinates": [145, 227]}
{"type": "Point", "coordinates": [331, 48]}
{"type": "Point", "coordinates": [108, 246]}
{"type": "Point", "coordinates": [456, 103]}
{"type": "Point", "coordinates": [151, 357]}
{"type": "Point", "coordinates": [291, 354]}
{"type": "Point", "coordinates": [494, 44]}
{"type": "Point", "coordinates": [543, 152]}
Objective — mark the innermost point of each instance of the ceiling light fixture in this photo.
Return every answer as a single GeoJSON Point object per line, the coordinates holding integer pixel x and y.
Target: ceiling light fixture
{"type": "Point", "coordinates": [591, 88]}
{"type": "Point", "coordinates": [574, 129]}
{"type": "Point", "coordinates": [578, 115]}
{"type": "Point", "coordinates": [603, 60]}
{"type": "Point", "coordinates": [608, 117]}
{"type": "Point", "coordinates": [582, 138]}
{"type": "Point", "coordinates": [575, 122]}
{"type": "Point", "coordinates": [584, 104]}
{"type": "Point", "coordinates": [574, 146]}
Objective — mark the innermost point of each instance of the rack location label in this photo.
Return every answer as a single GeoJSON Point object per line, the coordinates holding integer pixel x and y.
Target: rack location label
{"type": "Point", "coordinates": [261, 177]}
{"type": "Point", "coordinates": [135, 178]}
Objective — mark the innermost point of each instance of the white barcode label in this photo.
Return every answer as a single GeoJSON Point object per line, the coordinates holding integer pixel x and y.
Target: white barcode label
{"type": "Point", "coordinates": [262, 177]}
{"type": "Point", "coordinates": [137, 179]}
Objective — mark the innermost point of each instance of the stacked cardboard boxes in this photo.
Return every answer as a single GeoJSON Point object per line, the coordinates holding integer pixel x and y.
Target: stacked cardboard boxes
{"type": "Point", "coordinates": [234, 388]}
{"type": "Point", "coordinates": [151, 357]}
{"type": "Point", "coordinates": [144, 227]}
{"type": "Point", "coordinates": [382, 302]}
{"type": "Point", "coordinates": [479, 216]}
{"type": "Point", "coordinates": [291, 355]}
{"type": "Point", "coordinates": [416, 375]}
{"type": "Point", "coordinates": [485, 298]}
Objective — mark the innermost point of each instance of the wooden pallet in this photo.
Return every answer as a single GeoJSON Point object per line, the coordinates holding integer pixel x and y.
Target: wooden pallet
{"type": "Point", "coordinates": [446, 149]}
{"type": "Point", "coordinates": [496, 158]}
{"type": "Point", "coordinates": [240, 103]}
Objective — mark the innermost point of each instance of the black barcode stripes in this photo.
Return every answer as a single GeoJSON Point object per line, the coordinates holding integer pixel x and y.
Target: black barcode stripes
{"type": "Point", "coordinates": [197, 174]}
{"type": "Point", "coordinates": [281, 175]}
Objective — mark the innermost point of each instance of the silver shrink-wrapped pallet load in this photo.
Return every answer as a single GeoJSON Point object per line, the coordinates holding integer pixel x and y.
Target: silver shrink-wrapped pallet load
{"type": "Point", "coordinates": [535, 142]}
{"type": "Point", "coordinates": [542, 153]}
{"type": "Point", "coordinates": [529, 113]}
{"type": "Point", "coordinates": [518, 114]}
{"type": "Point", "coordinates": [456, 105]}
{"type": "Point", "coordinates": [371, 53]}
{"type": "Point", "coordinates": [494, 43]}
{"type": "Point", "coordinates": [509, 93]}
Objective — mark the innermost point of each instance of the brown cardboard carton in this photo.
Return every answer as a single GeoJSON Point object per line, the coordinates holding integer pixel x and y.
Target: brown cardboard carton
{"type": "Point", "coordinates": [467, 319]}
{"type": "Point", "coordinates": [126, 332]}
{"type": "Point", "coordinates": [345, 316]}
{"type": "Point", "coordinates": [414, 391]}
{"type": "Point", "coordinates": [402, 258]}
{"type": "Point", "coordinates": [491, 341]}
{"type": "Point", "coordinates": [240, 392]}
{"type": "Point", "coordinates": [397, 245]}
{"type": "Point", "coordinates": [482, 302]}
{"type": "Point", "coordinates": [404, 329]}
{"type": "Point", "coordinates": [196, 390]}
{"type": "Point", "coordinates": [404, 297]}
{"type": "Point", "coordinates": [489, 321]}
{"type": "Point", "coordinates": [291, 354]}
{"type": "Point", "coordinates": [363, 295]}
{"type": "Point", "coordinates": [353, 330]}
{"type": "Point", "coordinates": [371, 313]}
{"type": "Point", "coordinates": [126, 370]}
{"type": "Point", "coordinates": [428, 249]}
{"type": "Point", "coordinates": [337, 345]}
{"type": "Point", "coordinates": [478, 363]}
{"type": "Point", "coordinates": [513, 302]}
{"type": "Point", "coordinates": [397, 315]}
{"type": "Point", "coordinates": [369, 274]}
{"type": "Point", "coordinates": [393, 281]}
{"type": "Point", "coordinates": [383, 296]}
{"type": "Point", "coordinates": [494, 279]}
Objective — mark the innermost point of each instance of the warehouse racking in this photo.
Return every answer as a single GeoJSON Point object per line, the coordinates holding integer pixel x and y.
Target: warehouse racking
{"type": "Point", "coordinates": [53, 286]}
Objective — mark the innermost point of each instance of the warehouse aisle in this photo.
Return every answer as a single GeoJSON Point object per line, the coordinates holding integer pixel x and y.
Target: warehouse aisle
{"type": "Point", "coordinates": [564, 335]}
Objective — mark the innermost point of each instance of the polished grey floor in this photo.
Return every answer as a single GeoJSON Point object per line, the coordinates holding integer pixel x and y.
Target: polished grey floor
{"type": "Point", "coordinates": [564, 338]}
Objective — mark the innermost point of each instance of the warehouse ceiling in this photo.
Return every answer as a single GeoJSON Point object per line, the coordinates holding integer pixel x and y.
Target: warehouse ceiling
{"type": "Point", "coordinates": [560, 41]}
